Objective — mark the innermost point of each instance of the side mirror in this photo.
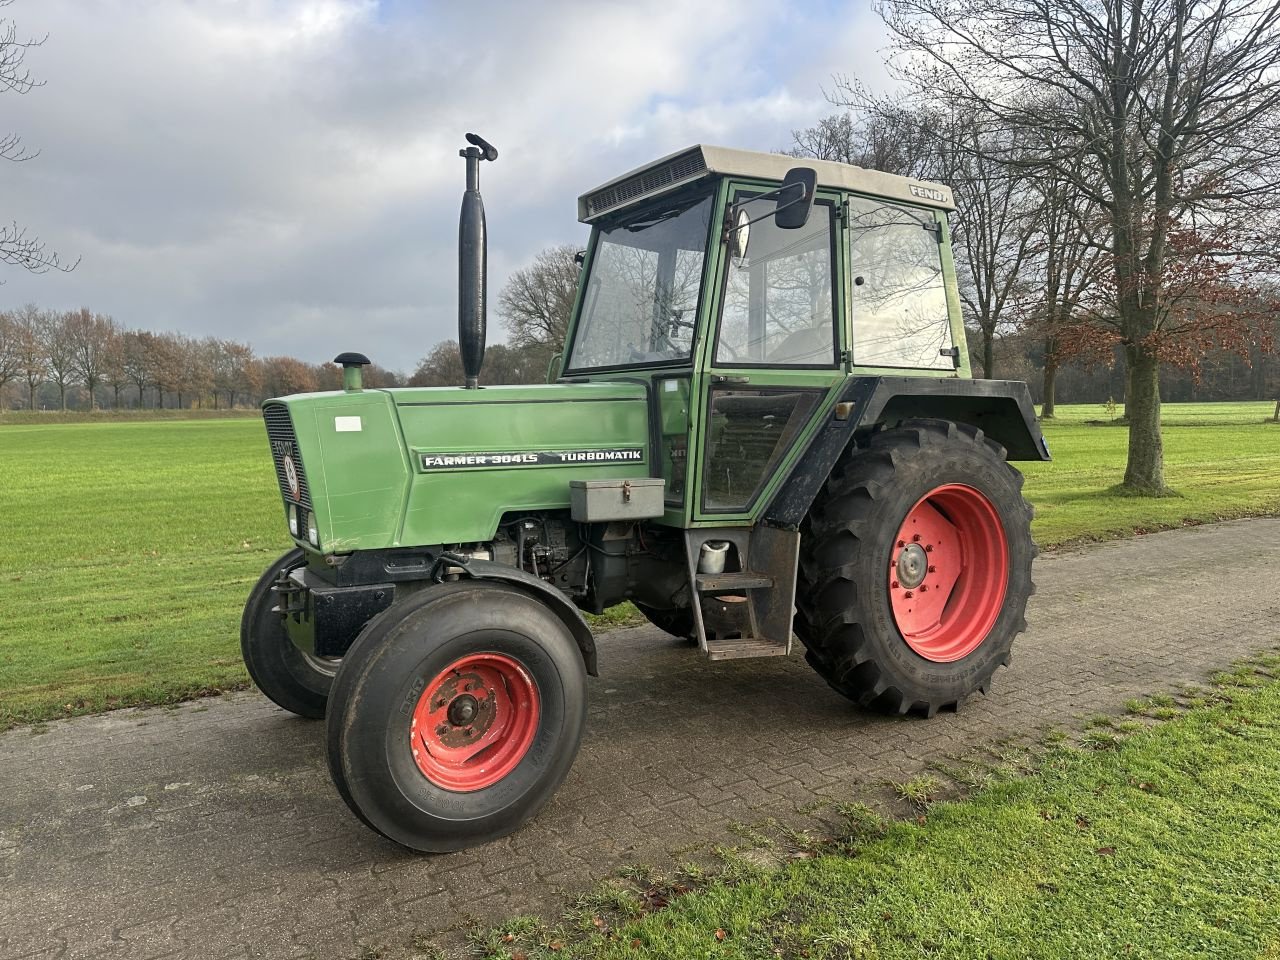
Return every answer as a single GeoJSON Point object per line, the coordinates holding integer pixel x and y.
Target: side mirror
{"type": "Point", "coordinates": [739, 235]}
{"type": "Point", "coordinates": [795, 198]}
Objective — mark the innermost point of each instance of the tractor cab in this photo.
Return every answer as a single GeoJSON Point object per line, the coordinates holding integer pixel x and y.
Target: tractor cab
{"type": "Point", "coordinates": [744, 294]}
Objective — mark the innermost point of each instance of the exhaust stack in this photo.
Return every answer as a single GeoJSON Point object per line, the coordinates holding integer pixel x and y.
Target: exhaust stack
{"type": "Point", "coordinates": [472, 263]}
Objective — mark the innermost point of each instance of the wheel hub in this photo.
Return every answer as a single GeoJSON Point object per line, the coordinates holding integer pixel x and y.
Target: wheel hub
{"type": "Point", "coordinates": [474, 722]}
{"type": "Point", "coordinates": [947, 579]}
{"type": "Point", "coordinates": [913, 565]}
{"type": "Point", "coordinates": [463, 710]}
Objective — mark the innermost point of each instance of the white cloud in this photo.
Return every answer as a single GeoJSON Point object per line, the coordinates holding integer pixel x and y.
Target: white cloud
{"type": "Point", "coordinates": [285, 171]}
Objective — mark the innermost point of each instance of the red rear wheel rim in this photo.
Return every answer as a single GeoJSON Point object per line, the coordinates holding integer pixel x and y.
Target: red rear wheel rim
{"type": "Point", "coordinates": [475, 722]}
{"type": "Point", "coordinates": [948, 570]}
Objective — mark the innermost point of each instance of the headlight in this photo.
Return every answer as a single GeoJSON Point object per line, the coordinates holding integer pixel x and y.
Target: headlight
{"type": "Point", "coordinates": [313, 532]}
{"type": "Point", "coordinates": [293, 520]}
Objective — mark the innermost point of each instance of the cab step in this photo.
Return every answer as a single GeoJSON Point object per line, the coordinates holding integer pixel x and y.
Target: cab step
{"type": "Point", "coordinates": [743, 647]}
{"type": "Point", "coordinates": [732, 582]}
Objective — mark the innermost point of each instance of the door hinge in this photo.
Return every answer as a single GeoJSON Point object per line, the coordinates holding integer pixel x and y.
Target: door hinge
{"type": "Point", "coordinates": [953, 353]}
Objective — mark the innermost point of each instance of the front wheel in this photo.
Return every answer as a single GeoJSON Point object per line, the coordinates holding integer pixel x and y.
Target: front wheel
{"type": "Point", "coordinates": [294, 680]}
{"type": "Point", "coordinates": [915, 568]}
{"type": "Point", "coordinates": [456, 714]}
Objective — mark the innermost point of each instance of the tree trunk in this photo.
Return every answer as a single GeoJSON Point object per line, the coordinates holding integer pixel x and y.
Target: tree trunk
{"type": "Point", "coordinates": [1144, 471]}
{"type": "Point", "coordinates": [1049, 383]}
{"type": "Point", "coordinates": [988, 356]}
{"type": "Point", "coordinates": [62, 396]}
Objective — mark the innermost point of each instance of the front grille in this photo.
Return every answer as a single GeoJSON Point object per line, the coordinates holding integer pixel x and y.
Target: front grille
{"type": "Point", "coordinates": [684, 167]}
{"type": "Point", "coordinates": [284, 443]}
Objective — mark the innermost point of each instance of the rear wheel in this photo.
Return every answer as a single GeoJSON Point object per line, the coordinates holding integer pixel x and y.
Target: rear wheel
{"type": "Point", "coordinates": [294, 680]}
{"type": "Point", "coordinates": [915, 568]}
{"type": "Point", "coordinates": [456, 715]}
{"type": "Point", "coordinates": [677, 621]}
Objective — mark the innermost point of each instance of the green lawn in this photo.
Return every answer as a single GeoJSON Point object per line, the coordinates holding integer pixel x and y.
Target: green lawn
{"type": "Point", "coordinates": [129, 547]}
{"type": "Point", "coordinates": [1160, 845]}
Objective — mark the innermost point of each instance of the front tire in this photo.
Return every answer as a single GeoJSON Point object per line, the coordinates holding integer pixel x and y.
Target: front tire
{"type": "Point", "coordinates": [456, 715]}
{"type": "Point", "coordinates": [291, 679]}
{"type": "Point", "coordinates": [915, 568]}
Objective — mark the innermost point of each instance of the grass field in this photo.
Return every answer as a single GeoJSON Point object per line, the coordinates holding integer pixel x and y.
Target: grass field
{"type": "Point", "coordinates": [129, 547]}
{"type": "Point", "coordinates": [1159, 844]}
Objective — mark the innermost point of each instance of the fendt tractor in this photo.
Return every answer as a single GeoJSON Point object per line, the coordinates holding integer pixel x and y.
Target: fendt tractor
{"type": "Point", "coordinates": [763, 425]}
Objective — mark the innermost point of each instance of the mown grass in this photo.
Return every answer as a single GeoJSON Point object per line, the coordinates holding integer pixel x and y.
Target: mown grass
{"type": "Point", "coordinates": [1162, 844]}
{"type": "Point", "coordinates": [128, 547]}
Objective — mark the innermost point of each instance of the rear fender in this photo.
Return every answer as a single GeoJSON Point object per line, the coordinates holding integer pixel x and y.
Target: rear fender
{"type": "Point", "coordinates": [1001, 409]}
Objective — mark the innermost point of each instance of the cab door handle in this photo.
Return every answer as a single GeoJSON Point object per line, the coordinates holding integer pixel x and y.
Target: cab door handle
{"type": "Point", "coordinates": [718, 378]}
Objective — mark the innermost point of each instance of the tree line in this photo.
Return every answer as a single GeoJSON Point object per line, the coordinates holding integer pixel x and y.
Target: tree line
{"type": "Point", "coordinates": [82, 359]}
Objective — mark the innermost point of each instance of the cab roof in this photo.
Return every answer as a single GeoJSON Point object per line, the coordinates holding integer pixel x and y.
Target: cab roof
{"type": "Point", "coordinates": [694, 163]}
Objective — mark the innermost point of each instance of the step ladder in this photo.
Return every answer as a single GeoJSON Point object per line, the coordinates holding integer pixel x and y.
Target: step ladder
{"type": "Point", "coordinates": [745, 612]}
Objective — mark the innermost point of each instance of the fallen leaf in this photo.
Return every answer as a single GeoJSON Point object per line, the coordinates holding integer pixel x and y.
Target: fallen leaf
{"type": "Point", "coordinates": [720, 934]}
{"type": "Point", "coordinates": [635, 942]}
{"type": "Point", "coordinates": [555, 945]}
{"type": "Point", "coordinates": [1105, 851]}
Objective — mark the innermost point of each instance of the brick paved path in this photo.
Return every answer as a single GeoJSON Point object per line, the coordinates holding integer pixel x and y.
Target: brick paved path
{"type": "Point", "coordinates": [212, 830]}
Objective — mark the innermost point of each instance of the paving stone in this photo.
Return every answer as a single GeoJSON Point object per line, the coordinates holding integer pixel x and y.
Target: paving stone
{"type": "Point", "coordinates": [243, 849]}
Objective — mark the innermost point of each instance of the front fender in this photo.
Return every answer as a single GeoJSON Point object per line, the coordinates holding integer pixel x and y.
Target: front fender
{"type": "Point", "coordinates": [557, 601]}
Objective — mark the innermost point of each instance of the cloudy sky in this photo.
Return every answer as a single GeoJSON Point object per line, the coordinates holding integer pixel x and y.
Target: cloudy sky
{"type": "Point", "coordinates": [285, 172]}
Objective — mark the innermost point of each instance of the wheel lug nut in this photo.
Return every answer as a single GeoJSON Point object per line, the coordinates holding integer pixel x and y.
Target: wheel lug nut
{"type": "Point", "coordinates": [902, 543]}
{"type": "Point", "coordinates": [933, 569]}
{"type": "Point", "coordinates": [895, 584]}
{"type": "Point", "coordinates": [928, 548]}
{"type": "Point", "coordinates": [915, 538]}
{"type": "Point", "coordinates": [469, 731]}
{"type": "Point", "coordinates": [924, 587]}
{"type": "Point", "coordinates": [908, 594]}
{"type": "Point", "coordinates": [442, 729]}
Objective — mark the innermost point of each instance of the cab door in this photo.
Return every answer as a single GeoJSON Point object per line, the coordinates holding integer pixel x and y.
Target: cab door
{"type": "Point", "coordinates": [775, 358]}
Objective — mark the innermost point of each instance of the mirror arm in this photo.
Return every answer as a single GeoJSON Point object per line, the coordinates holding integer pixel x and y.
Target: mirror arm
{"type": "Point", "coordinates": [730, 226]}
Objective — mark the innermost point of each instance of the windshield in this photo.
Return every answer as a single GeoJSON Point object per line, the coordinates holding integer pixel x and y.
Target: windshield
{"type": "Point", "coordinates": [641, 301]}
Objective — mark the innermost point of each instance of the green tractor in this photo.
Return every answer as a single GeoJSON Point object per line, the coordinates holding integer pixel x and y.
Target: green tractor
{"type": "Point", "coordinates": [764, 425]}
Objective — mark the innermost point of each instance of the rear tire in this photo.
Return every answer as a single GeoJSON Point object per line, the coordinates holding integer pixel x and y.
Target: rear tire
{"type": "Point", "coordinates": [289, 678]}
{"type": "Point", "coordinates": [456, 715]}
{"type": "Point", "coordinates": [677, 621]}
{"type": "Point", "coordinates": [871, 628]}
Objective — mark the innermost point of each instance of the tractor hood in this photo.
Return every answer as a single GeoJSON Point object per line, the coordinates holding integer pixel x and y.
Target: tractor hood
{"type": "Point", "coordinates": [441, 465]}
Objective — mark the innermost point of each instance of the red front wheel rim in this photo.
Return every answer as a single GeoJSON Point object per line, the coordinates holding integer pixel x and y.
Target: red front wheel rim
{"type": "Point", "coordinates": [475, 722]}
{"type": "Point", "coordinates": [948, 570]}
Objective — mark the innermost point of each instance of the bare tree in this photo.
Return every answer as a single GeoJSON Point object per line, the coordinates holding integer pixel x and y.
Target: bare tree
{"type": "Point", "coordinates": [88, 337]}
{"type": "Point", "coordinates": [442, 367]}
{"type": "Point", "coordinates": [1173, 104]}
{"type": "Point", "coordinates": [285, 375]}
{"type": "Point", "coordinates": [10, 365]}
{"type": "Point", "coordinates": [58, 355]}
{"type": "Point", "coordinates": [230, 364]}
{"type": "Point", "coordinates": [537, 301]}
{"type": "Point", "coordinates": [29, 347]}
{"type": "Point", "coordinates": [18, 248]}
{"type": "Point", "coordinates": [139, 358]}
{"type": "Point", "coordinates": [1067, 262]}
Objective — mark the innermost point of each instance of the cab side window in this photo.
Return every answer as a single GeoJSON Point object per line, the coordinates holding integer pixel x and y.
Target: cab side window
{"type": "Point", "coordinates": [779, 299]}
{"type": "Point", "coordinates": [899, 307]}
